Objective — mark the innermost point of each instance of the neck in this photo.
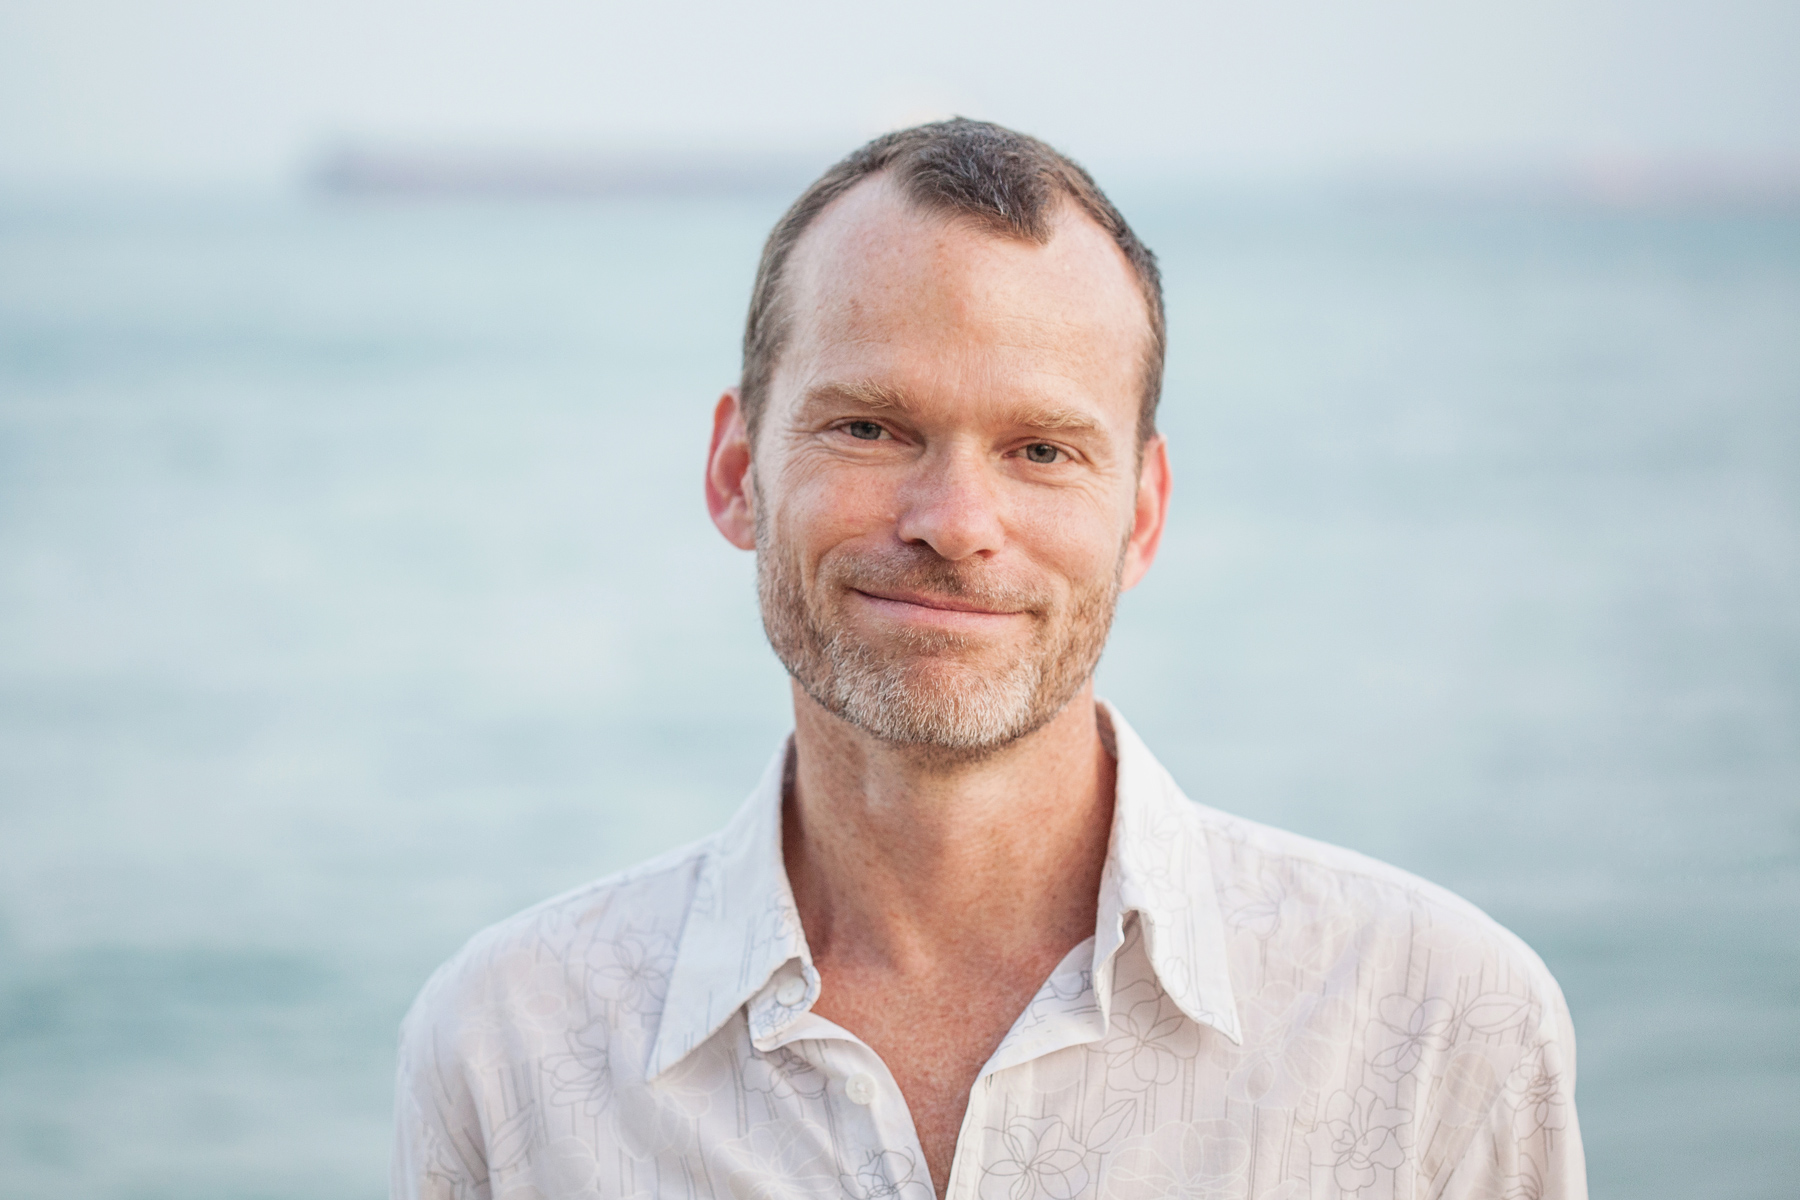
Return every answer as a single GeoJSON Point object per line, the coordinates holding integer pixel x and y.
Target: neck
{"type": "Point", "coordinates": [901, 862]}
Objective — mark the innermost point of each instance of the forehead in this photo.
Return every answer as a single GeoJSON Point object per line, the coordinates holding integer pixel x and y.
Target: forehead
{"type": "Point", "coordinates": [879, 282]}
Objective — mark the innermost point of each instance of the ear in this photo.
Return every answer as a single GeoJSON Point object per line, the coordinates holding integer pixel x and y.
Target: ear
{"type": "Point", "coordinates": [729, 495]}
{"type": "Point", "coordinates": [1152, 511]}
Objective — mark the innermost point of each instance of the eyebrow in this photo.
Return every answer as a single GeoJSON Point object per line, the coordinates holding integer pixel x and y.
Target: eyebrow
{"type": "Point", "coordinates": [1060, 420]}
{"type": "Point", "coordinates": [871, 395]}
{"type": "Point", "coordinates": [859, 392]}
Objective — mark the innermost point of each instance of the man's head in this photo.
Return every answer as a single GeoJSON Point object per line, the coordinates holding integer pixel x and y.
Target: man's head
{"type": "Point", "coordinates": [1007, 182]}
{"type": "Point", "coordinates": [943, 449]}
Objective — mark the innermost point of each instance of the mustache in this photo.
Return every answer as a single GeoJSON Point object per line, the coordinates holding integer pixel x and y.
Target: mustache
{"type": "Point", "coordinates": [921, 570]}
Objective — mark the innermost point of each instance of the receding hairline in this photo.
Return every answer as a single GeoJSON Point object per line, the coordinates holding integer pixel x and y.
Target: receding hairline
{"type": "Point", "coordinates": [1062, 209]}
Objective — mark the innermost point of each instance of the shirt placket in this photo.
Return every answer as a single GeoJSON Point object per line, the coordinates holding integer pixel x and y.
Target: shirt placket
{"type": "Point", "coordinates": [1064, 1013]}
{"type": "Point", "coordinates": [878, 1148]}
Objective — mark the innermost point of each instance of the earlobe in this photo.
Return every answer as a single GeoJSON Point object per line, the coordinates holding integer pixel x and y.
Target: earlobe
{"type": "Point", "coordinates": [729, 494]}
{"type": "Point", "coordinates": [1151, 512]}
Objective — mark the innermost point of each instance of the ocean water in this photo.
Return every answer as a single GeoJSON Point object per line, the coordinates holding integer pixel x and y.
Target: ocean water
{"type": "Point", "coordinates": [356, 591]}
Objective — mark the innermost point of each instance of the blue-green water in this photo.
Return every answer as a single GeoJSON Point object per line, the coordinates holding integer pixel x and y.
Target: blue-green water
{"type": "Point", "coordinates": [355, 591]}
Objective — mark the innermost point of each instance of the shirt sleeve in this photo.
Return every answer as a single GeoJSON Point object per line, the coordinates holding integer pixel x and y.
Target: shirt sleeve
{"type": "Point", "coordinates": [439, 1149]}
{"type": "Point", "coordinates": [1529, 1148]}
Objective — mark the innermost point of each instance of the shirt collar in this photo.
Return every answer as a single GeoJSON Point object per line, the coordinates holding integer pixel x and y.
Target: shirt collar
{"type": "Point", "coordinates": [1158, 867]}
{"type": "Point", "coordinates": [742, 944]}
{"type": "Point", "coordinates": [742, 929]}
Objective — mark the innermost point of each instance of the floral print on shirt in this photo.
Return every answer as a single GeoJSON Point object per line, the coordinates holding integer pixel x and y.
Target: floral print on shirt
{"type": "Point", "coordinates": [1257, 1017]}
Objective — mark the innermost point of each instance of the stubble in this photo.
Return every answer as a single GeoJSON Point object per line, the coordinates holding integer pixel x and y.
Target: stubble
{"type": "Point", "coordinates": [935, 690]}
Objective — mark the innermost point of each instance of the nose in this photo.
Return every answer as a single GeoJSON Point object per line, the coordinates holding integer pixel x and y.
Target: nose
{"type": "Point", "coordinates": [951, 503]}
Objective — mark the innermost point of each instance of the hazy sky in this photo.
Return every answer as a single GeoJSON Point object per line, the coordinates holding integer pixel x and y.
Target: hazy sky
{"type": "Point", "coordinates": [240, 91]}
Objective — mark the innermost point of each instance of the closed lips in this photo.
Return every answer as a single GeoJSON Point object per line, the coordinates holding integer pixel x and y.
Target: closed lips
{"type": "Point", "coordinates": [942, 603]}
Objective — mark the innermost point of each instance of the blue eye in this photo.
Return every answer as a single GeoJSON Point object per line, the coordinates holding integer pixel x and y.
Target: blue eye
{"type": "Point", "coordinates": [868, 431]}
{"type": "Point", "coordinates": [1042, 452]}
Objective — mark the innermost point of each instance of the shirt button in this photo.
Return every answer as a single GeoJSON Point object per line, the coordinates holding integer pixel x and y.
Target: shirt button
{"type": "Point", "coordinates": [860, 1088]}
{"type": "Point", "coordinates": [791, 992]}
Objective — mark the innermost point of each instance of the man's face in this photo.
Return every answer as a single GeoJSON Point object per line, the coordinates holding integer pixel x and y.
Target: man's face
{"type": "Point", "coordinates": [945, 493]}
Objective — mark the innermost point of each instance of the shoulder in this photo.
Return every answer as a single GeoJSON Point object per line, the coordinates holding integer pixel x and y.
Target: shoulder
{"type": "Point", "coordinates": [565, 984]}
{"type": "Point", "coordinates": [1406, 1008]}
{"type": "Point", "coordinates": [602, 951]}
{"type": "Point", "coordinates": [1327, 908]}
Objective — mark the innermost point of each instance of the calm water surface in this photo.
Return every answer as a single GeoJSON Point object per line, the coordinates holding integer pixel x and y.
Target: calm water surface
{"type": "Point", "coordinates": [356, 591]}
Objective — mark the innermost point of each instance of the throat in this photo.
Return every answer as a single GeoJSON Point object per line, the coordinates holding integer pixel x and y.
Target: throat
{"type": "Point", "coordinates": [934, 907]}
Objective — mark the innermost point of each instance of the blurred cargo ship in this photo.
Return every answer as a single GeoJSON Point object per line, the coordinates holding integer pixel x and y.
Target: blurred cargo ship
{"type": "Point", "coordinates": [452, 171]}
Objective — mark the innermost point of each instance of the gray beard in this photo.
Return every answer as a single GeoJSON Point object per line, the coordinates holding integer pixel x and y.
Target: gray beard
{"type": "Point", "coordinates": [920, 691]}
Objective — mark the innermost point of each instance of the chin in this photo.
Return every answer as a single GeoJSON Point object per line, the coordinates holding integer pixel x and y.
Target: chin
{"type": "Point", "coordinates": [953, 706]}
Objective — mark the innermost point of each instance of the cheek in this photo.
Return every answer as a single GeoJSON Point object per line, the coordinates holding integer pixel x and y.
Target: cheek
{"type": "Point", "coordinates": [1079, 538]}
{"type": "Point", "coordinates": [819, 505]}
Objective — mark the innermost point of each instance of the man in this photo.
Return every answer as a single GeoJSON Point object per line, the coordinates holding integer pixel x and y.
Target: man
{"type": "Point", "coordinates": [967, 937]}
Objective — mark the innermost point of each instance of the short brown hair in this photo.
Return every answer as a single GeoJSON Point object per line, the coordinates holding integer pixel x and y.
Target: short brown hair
{"type": "Point", "coordinates": [1007, 181]}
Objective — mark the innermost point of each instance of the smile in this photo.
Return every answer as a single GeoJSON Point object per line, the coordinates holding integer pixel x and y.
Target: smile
{"type": "Point", "coordinates": [943, 611]}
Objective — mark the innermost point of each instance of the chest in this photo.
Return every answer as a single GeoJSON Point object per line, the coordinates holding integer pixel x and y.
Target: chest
{"type": "Point", "coordinates": [1139, 1112]}
{"type": "Point", "coordinates": [1140, 1102]}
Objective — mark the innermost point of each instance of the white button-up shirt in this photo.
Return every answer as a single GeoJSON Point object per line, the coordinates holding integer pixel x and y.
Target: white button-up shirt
{"type": "Point", "coordinates": [1256, 1016]}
